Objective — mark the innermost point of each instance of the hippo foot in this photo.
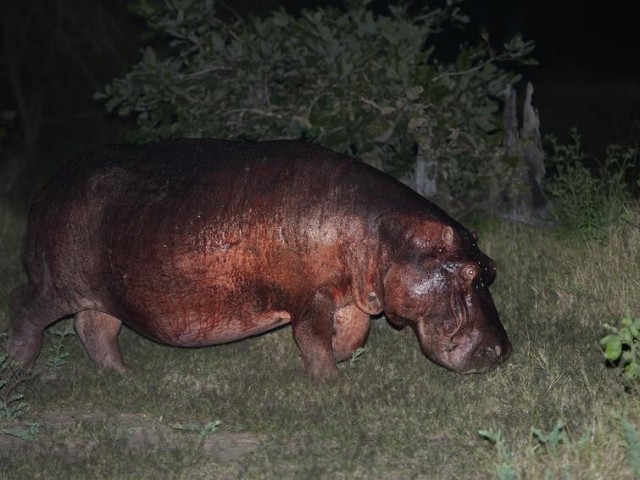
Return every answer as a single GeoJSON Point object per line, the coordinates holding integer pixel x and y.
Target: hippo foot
{"type": "Point", "coordinates": [98, 332]}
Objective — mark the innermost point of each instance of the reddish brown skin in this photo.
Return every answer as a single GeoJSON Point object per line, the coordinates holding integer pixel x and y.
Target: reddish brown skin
{"type": "Point", "coordinates": [202, 242]}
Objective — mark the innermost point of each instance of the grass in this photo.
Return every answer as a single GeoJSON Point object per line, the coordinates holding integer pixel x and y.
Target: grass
{"type": "Point", "coordinates": [392, 414]}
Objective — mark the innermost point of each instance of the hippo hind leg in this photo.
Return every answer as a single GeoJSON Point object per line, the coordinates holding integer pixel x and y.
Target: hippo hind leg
{"type": "Point", "coordinates": [98, 332]}
{"type": "Point", "coordinates": [31, 310]}
{"type": "Point", "coordinates": [350, 331]}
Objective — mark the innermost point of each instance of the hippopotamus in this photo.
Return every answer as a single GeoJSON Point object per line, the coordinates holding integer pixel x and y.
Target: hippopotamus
{"type": "Point", "coordinates": [196, 242]}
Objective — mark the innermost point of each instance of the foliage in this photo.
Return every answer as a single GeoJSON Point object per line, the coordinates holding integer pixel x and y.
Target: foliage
{"type": "Point", "coordinates": [632, 442]}
{"type": "Point", "coordinates": [58, 355]}
{"type": "Point", "coordinates": [27, 433]}
{"type": "Point", "coordinates": [622, 349]}
{"type": "Point", "coordinates": [12, 404]}
{"type": "Point", "coordinates": [504, 468]}
{"type": "Point", "coordinates": [551, 440]}
{"type": "Point", "coordinates": [365, 84]}
{"type": "Point", "coordinates": [356, 356]}
{"type": "Point", "coordinates": [587, 203]}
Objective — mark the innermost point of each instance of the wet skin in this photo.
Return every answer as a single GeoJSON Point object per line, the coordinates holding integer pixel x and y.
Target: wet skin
{"type": "Point", "coordinates": [202, 242]}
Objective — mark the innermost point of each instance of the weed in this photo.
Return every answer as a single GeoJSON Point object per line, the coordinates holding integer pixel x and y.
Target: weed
{"type": "Point", "coordinates": [12, 404]}
{"type": "Point", "coordinates": [632, 443]}
{"type": "Point", "coordinates": [356, 356]}
{"type": "Point", "coordinates": [622, 349]}
{"type": "Point", "coordinates": [59, 356]}
{"type": "Point", "coordinates": [27, 433]}
{"type": "Point", "coordinates": [504, 468]}
{"type": "Point", "coordinates": [551, 440]}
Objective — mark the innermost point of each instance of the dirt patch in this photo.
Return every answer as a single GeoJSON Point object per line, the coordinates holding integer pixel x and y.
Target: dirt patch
{"type": "Point", "coordinates": [137, 432]}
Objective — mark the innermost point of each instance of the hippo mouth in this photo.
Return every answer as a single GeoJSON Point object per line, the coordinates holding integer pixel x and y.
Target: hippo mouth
{"type": "Point", "coordinates": [465, 353]}
{"type": "Point", "coordinates": [483, 359]}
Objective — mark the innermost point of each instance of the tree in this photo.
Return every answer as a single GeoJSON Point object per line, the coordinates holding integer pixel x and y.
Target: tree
{"type": "Point", "coordinates": [364, 84]}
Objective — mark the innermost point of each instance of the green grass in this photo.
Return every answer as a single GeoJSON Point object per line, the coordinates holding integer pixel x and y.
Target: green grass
{"type": "Point", "coordinates": [392, 414]}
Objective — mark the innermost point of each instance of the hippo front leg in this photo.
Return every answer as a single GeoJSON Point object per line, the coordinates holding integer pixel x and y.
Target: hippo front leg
{"type": "Point", "coordinates": [312, 331]}
{"type": "Point", "coordinates": [350, 331]}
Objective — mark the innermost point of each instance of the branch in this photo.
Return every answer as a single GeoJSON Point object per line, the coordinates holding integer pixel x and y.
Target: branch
{"type": "Point", "coordinates": [480, 66]}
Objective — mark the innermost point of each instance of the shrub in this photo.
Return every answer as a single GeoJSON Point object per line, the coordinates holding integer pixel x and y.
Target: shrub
{"type": "Point", "coordinates": [622, 349]}
{"type": "Point", "coordinates": [360, 83]}
{"type": "Point", "coordinates": [587, 203]}
{"type": "Point", "coordinates": [12, 404]}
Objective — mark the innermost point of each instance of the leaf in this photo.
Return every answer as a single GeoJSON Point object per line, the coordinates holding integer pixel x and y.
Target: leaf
{"type": "Point", "coordinates": [27, 433]}
{"type": "Point", "coordinates": [415, 122]}
{"type": "Point", "coordinates": [280, 18]}
{"type": "Point", "coordinates": [413, 93]}
{"type": "Point", "coordinates": [625, 336]}
{"type": "Point", "coordinates": [613, 349]}
{"type": "Point", "coordinates": [218, 42]}
{"type": "Point", "coordinates": [493, 437]}
{"type": "Point", "coordinates": [124, 110]}
{"type": "Point", "coordinates": [149, 56]}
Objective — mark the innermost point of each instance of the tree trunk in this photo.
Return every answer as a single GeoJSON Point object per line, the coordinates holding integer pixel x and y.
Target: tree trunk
{"type": "Point", "coordinates": [425, 173]}
{"type": "Point", "coordinates": [525, 148]}
{"type": "Point", "coordinates": [533, 153]}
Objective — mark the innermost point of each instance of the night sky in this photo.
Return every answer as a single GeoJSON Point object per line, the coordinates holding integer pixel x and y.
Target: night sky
{"type": "Point", "coordinates": [589, 75]}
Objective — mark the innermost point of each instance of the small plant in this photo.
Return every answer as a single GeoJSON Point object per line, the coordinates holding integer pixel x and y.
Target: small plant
{"type": "Point", "coordinates": [621, 349]}
{"type": "Point", "coordinates": [12, 404]}
{"type": "Point", "coordinates": [551, 440]}
{"type": "Point", "coordinates": [632, 443]}
{"type": "Point", "coordinates": [202, 430]}
{"type": "Point", "coordinates": [58, 357]}
{"type": "Point", "coordinates": [27, 433]}
{"type": "Point", "coordinates": [504, 468]}
{"type": "Point", "coordinates": [356, 356]}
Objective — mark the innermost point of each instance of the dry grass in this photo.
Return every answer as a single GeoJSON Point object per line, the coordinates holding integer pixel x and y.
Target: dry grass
{"type": "Point", "coordinates": [393, 414]}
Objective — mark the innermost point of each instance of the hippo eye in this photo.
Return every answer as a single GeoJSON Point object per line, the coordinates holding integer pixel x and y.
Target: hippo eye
{"type": "Point", "coordinates": [470, 272]}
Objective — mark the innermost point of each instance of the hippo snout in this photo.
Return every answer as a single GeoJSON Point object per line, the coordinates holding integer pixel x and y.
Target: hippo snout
{"type": "Point", "coordinates": [487, 357]}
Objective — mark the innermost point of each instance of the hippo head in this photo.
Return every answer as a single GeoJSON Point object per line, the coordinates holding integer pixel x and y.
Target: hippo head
{"type": "Point", "coordinates": [437, 282]}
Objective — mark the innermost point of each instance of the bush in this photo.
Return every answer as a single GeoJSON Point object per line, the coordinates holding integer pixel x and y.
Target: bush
{"type": "Point", "coordinates": [360, 83]}
{"type": "Point", "coordinates": [587, 203]}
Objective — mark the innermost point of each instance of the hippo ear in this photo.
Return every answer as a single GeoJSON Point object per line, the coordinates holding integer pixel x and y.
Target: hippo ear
{"type": "Point", "coordinates": [412, 232]}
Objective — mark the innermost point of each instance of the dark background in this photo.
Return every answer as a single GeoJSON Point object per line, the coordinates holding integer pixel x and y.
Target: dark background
{"type": "Point", "coordinates": [56, 54]}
